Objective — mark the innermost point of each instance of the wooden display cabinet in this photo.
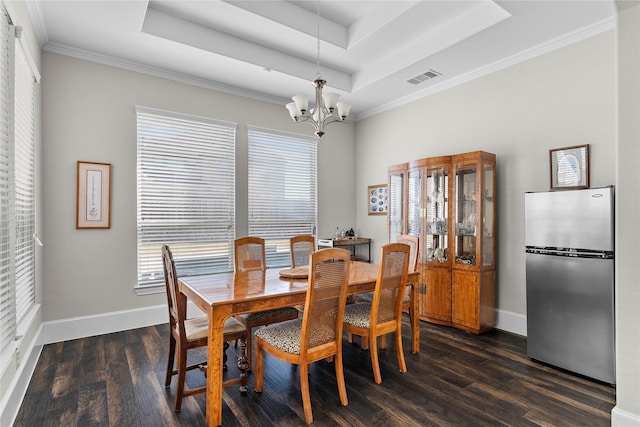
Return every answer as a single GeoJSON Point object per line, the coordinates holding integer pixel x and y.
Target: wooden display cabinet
{"type": "Point", "coordinates": [448, 202]}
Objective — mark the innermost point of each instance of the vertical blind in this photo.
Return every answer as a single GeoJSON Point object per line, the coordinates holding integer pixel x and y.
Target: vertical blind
{"type": "Point", "coordinates": [7, 290]}
{"type": "Point", "coordinates": [17, 185]}
{"type": "Point", "coordinates": [186, 193]}
{"type": "Point", "coordinates": [24, 182]}
{"type": "Point", "coordinates": [282, 190]}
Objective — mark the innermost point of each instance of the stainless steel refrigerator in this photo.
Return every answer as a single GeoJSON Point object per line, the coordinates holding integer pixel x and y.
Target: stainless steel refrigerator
{"type": "Point", "coordinates": [570, 280]}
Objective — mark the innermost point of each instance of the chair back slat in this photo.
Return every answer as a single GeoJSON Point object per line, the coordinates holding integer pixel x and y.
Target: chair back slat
{"type": "Point", "coordinates": [249, 254]}
{"type": "Point", "coordinates": [326, 298]}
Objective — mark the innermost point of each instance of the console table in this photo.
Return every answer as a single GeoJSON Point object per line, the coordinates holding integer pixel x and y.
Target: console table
{"type": "Point", "coordinates": [350, 243]}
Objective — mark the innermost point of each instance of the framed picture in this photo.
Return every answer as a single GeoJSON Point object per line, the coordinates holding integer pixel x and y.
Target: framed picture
{"type": "Point", "coordinates": [93, 195]}
{"type": "Point", "coordinates": [377, 199]}
{"type": "Point", "coordinates": [569, 167]}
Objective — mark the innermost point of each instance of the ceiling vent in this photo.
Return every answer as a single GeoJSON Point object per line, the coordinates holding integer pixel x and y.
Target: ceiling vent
{"type": "Point", "coordinates": [424, 76]}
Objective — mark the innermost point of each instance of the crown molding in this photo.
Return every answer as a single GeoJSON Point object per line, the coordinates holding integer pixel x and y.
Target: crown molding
{"type": "Point", "coordinates": [159, 72]}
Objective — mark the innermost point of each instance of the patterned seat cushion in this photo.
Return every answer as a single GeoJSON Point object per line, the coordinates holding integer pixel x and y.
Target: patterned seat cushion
{"type": "Point", "coordinates": [285, 336]}
{"type": "Point", "coordinates": [358, 314]}
{"type": "Point", "coordinates": [269, 316]}
{"type": "Point", "coordinates": [368, 297]}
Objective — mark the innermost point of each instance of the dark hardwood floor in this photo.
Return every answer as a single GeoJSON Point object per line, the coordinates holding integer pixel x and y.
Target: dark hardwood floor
{"type": "Point", "coordinates": [458, 379]}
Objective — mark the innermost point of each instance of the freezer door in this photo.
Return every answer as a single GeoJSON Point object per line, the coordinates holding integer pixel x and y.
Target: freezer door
{"type": "Point", "coordinates": [580, 219]}
{"type": "Point", "coordinates": [570, 314]}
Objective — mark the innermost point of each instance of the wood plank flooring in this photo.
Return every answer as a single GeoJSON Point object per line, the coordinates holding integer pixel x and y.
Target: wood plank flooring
{"type": "Point", "coordinates": [458, 379]}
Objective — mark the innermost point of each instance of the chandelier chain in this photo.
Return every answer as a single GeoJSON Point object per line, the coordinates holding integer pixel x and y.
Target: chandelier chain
{"type": "Point", "coordinates": [318, 41]}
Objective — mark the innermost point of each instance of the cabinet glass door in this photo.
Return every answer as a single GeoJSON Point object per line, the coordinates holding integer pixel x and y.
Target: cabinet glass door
{"type": "Point", "coordinates": [395, 207]}
{"type": "Point", "coordinates": [488, 220]}
{"type": "Point", "coordinates": [414, 190]}
{"type": "Point", "coordinates": [466, 214]}
{"type": "Point", "coordinates": [437, 217]}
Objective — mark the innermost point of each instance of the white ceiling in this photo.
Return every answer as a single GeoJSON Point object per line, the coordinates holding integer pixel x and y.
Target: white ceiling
{"type": "Point", "coordinates": [267, 49]}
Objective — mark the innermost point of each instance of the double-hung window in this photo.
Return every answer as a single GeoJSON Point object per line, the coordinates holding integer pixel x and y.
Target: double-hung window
{"type": "Point", "coordinates": [186, 194]}
{"type": "Point", "coordinates": [282, 190]}
{"type": "Point", "coordinates": [18, 78]}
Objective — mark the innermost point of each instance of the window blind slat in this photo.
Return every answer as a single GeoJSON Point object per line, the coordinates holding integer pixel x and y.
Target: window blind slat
{"type": "Point", "coordinates": [186, 193]}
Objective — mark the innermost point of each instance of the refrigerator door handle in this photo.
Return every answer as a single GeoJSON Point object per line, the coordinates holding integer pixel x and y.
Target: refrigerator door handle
{"type": "Point", "coordinates": [578, 253]}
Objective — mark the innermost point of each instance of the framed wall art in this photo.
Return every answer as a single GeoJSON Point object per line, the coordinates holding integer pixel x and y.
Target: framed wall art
{"type": "Point", "coordinates": [569, 167]}
{"type": "Point", "coordinates": [93, 195]}
{"type": "Point", "coordinates": [377, 199]}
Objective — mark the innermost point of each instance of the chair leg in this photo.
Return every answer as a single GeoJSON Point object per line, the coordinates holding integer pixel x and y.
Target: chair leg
{"type": "Point", "coordinates": [243, 366]}
{"type": "Point", "coordinates": [249, 346]}
{"type": "Point", "coordinates": [258, 377]}
{"type": "Point", "coordinates": [373, 350]}
{"type": "Point", "coordinates": [383, 342]}
{"type": "Point", "coordinates": [364, 342]}
{"type": "Point", "coordinates": [401, 362]}
{"type": "Point", "coordinates": [224, 355]}
{"type": "Point", "coordinates": [182, 371]}
{"type": "Point", "coordinates": [170, 361]}
{"type": "Point", "coordinates": [342, 388]}
{"type": "Point", "coordinates": [304, 389]}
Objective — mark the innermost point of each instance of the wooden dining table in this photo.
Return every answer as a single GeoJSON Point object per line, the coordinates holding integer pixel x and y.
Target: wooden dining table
{"type": "Point", "coordinates": [228, 294]}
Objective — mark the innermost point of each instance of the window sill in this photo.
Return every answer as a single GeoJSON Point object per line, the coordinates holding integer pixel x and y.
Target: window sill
{"type": "Point", "coordinates": [150, 290]}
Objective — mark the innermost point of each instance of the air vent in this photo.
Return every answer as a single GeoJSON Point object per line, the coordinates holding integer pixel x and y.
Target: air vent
{"type": "Point", "coordinates": [424, 76]}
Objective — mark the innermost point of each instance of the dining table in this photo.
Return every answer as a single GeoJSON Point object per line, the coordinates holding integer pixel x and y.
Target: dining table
{"type": "Point", "coordinates": [222, 295]}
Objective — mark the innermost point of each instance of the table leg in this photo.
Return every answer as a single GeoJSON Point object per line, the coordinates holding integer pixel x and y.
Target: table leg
{"type": "Point", "coordinates": [214, 369]}
{"type": "Point", "coordinates": [413, 317]}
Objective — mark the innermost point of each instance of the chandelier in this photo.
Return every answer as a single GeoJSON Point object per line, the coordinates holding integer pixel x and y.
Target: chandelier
{"type": "Point", "coordinates": [327, 108]}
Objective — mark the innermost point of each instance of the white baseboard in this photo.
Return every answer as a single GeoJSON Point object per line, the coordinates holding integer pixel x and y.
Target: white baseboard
{"type": "Point", "coordinates": [621, 418]}
{"type": "Point", "coordinates": [104, 323]}
{"type": "Point", "coordinates": [511, 322]}
{"type": "Point", "coordinates": [18, 388]}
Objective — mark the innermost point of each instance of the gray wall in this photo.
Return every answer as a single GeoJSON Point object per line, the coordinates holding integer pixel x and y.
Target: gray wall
{"type": "Point", "coordinates": [627, 409]}
{"type": "Point", "coordinates": [89, 114]}
{"type": "Point", "coordinates": [563, 98]}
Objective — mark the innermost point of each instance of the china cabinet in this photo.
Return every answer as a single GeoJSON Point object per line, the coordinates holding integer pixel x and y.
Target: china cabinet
{"type": "Point", "coordinates": [449, 203]}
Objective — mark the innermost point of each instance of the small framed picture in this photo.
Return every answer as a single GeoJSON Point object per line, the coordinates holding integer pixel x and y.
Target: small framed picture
{"type": "Point", "coordinates": [569, 167]}
{"type": "Point", "coordinates": [377, 199]}
{"type": "Point", "coordinates": [93, 195]}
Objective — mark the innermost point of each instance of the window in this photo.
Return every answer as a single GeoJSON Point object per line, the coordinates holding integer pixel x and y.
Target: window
{"type": "Point", "coordinates": [186, 194]}
{"type": "Point", "coordinates": [17, 184]}
{"type": "Point", "coordinates": [282, 190]}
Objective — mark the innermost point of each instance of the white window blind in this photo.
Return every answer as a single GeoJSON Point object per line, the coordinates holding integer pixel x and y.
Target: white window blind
{"type": "Point", "coordinates": [282, 190]}
{"type": "Point", "coordinates": [25, 218]}
{"type": "Point", "coordinates": [186, 194]}
{"type": "Point", "coordinates": [7, 287]}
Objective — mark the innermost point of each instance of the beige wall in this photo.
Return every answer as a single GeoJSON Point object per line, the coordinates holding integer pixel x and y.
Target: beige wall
{"type": "Point", "coordinates": [563, 98]}
{"type": "Point", "coordinates": [89, 114]}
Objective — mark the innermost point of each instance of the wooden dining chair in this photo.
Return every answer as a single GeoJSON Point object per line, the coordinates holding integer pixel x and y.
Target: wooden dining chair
{"type": "Point", "coordinates": [384, 314]}
{"type": "Point", "coordinates": [191, 333]}
{"type": "Point", "coordinates": [301, 248]}
{"type": "Point", "coordinates": [318, 334]}
{"type": "Point", "coordinates": [249, 255]}
{"type": "Point", "coordinates": [414, 244]}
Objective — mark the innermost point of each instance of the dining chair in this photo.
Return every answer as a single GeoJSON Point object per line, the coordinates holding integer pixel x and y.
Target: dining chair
{"type": "Point", "coordinates": [249, 255]}
{"type": "Point", "coordinates": [186, 334]}
{"type": "Point", "coordinates": [301, 247]}
{"type": "Point", "coordinates": [384, 314]}
{"type": "Point", "coordinates": [414, 244]}
{"type": "Point", "coordinates": [318, 334]}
